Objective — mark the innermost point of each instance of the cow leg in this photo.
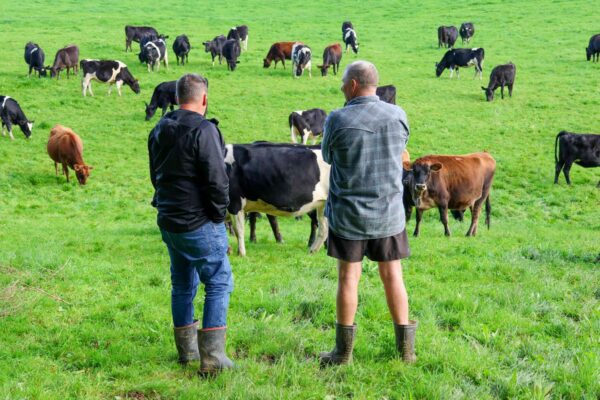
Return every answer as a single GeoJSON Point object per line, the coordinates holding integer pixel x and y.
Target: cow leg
{"type": "Point", "coordinates": [252, 217]}
{"type": "Point", "coordinates": [567, 169]}
{"type": "Point", "coordinates": [322, 231]}
{"type": "Point", "coordinates": [314, 224]}
{"type": "Point", "coordinates": [148, 66]}
{"type": "Point", "coordinates": [558, 167]}
{"type": "Point", "coordinates": [510, 90]}
{"type": "Point", "coordinates": [56, 168]}
{"type": "Point", "coordinates": [29, 74]}
{"type": "Point", "coordinates": [294, 134]}
{"type": "Point", "coordinates": [10, 132]}
{"type": "Point", "coordinates": [65, 171]}
{"type": "Point", "coordinates": [418, 224]}
{"type": "Point", "coordinates": [475, 211]}
{"type": "Point", "coordinates": [451, 72]}
{"type": "Point", "coordinates": [119, 84]}
{"type": "Point", "coordinates": [166, 60]}
{"type": "Point", "coordinates": [444, 218]}
{"type": "Point", "coordinates": [309, 66]}
{"type": "Point", "coordinates": [237, 221]}
{"type": "Point", "coordinates": [89, 87]}
{"type": "Point", "coordinates": [275, 228]}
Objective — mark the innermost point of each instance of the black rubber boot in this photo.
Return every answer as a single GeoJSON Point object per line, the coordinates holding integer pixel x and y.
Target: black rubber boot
{"type": "Point", "coordinates": [211, 344]}
{"type": "Point", "coordinates": [186, 340]}
{"type": "Point", "coordinates": [344, 343]}
{"type": "Point", "coordinates": [405, 341]}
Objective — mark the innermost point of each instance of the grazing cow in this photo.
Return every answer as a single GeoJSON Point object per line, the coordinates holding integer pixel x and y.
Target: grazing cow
{"type": "Point", "coordinates": [65, 147]}
{"type": "Point", "coordinates": [279, 51]}
{"type": "Point", "coordinates": [447, 36]}
{"type": "Point", "coordinates": [239, 33]}
{"type": "Point", "coordinates": [455, 58]}
{"type": "Point", "coordinates": [67, 57]}
{"type": "Point", "coordinates": [107, 71]}
{"type": "Point", "coordinates": [153, 53]}
{"type": "Point", "coordinates": [164, 96]}
{"type": "Point", "coordinates": [387, 93]}
{"type": "Point", "coordinates": [231, 52]}
{"type": "Point", "coordinates": [278, 190]}
{"type": "Point", "coordinates": [34, 57]}
{"type": "Point", "coordinates": [181, 48]}
{"type": "Point", "coordinates": [350, 40]}
{"type": "Point", "coordinates": [467, 30]}
{"type": "Point", "coordinates": [502, 75]}
{"type": "Point", "coordinates": [332, 55]}
{"type": "Point", "coordinates": [301, 60]}
{"type": "Point", "coordinates": [215, 47]}
{"type": "Point", "coordinates": [307, 124]}
{"type": "Point", "coordinates": [11, 114]}
{"type": "Point", "coordinates": [581, 149]}
{"type": "Point", "coordinates": [135, 33]}
{"type": "Point", "coordinates": [593, 50]}
{"type": "Point", "coordinates": [455, 183]}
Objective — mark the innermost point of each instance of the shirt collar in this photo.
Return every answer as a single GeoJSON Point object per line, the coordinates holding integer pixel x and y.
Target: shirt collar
{"type": "Point", "coordinates": [362, 100]}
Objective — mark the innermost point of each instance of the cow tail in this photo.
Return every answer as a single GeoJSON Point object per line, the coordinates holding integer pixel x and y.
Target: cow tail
{"type": "Point", "coordinates": [488, 211]}
{"type": "Point", "coordinates": [560, 134]}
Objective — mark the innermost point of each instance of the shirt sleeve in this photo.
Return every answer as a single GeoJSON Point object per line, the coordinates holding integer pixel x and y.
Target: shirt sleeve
{"type": "Point", "coordinates": [328, 139]}
{"type": "Point", "coordinates": [151, 166]}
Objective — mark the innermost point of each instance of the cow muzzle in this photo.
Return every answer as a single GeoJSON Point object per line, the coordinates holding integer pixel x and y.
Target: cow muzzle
{"type": "Point", "coordinates": [420, 187]}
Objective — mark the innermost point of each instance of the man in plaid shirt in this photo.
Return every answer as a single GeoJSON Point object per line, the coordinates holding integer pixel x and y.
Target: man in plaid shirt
{"type": "Point", "coordinates": [364, 142]}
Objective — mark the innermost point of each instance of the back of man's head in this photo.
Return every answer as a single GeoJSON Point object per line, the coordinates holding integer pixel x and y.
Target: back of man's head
{"type": "Point", "coordinates": [362, 72]}
{"type": "Point", "coordinates": [190, 88]}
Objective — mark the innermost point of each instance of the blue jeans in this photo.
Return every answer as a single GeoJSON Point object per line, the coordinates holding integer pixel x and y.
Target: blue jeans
{"type": "Point", "coordinates": [200, 256]}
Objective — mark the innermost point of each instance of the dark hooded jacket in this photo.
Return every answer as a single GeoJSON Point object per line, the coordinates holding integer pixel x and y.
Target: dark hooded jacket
{"type": "Point", "coordinates": [187, 169]}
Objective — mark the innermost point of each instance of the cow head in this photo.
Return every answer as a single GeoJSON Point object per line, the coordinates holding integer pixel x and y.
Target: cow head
{"type": "Point", "coordinates": [206, 47]}
{"type": "Point", "coordinates": [323, 69]}
{"type": "Point", "coordinates": [489, 93]}
{"type": "Point", "coordinates": [26, 127]}
{"type": "Point", "coordinates": [439, 68]}
{"type": "Point", "coordinates": [82, 172]}
{"type": "Point", "coordinates": [588, 53]}
{"type": "Point", "coordinates": [419, 178]}
{"type": "Point", "coordinates": [354, 44]}
{"type": "Point", "coordinates": [266, 63]}
{"type": "Point", "coordinates": [150, 110]}
{"type": "Point", "coordinates": [135, 86]}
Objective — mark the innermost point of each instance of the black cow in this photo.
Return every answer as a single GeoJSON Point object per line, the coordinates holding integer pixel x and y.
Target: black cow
{"type": "Point", "coordinates": [215, 47]}
{"type": "Point", "coordinates": [164, 96]}
{"type": "Point", "coordinates": [332, 55]}
{"type": "Point", "coordinates": [181, 48]}
{"type": "Point", "coordinates": [387, 93]}
{"type": "Point", "coordinates": [467, 30]}
{"type": "Point", "coordinates": [278, 190]}
{"type": "Point", "coordinates": [447, 36]}
{"type": "Point", "coordinates": [231, 52]}
{"type": "Point", "coordinates": [307, 124]}
{"type": "Point", "coordinates": [593, 50]}
{"type": "Point", "coordinates": [301, 60]}
{"type": "Point", "coordinates": [136, 33]}
{"type": "Point", "coordinates": [11, 114]}
{"type": "Point", "coordinates": [581, 149]}
{"type": "Point", "coordinates": [107, 71]}
{"type": "Point", "coordinates": [239, 33]}
{"type": "Point", "coordinates": [153, 52]}
{"type": "Point", "coordinates": [502, 75]}
{"type": "Point", "coordinates": [455, 58]}
{"type": "Point", "coordinates": [34, 57]}
{"type": "Point", "coordinates": [349, 37]}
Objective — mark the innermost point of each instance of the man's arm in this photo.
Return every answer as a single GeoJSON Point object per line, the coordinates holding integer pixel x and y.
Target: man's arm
{"type": "Point", "coordinates": [326, 143]}
{"type": "Point", "coordinates": [151, 166]}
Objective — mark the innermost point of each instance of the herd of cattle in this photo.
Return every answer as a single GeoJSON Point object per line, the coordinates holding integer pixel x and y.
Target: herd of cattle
{"type": "Point", "coordinates": [449, 183]}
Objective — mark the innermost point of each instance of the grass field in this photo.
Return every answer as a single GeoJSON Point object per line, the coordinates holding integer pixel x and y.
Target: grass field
{"type": "Point", "coordinates": [84, 282]}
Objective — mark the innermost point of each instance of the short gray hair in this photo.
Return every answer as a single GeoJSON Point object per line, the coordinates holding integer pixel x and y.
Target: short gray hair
{"type": "Point", "coordinates": [190, 88]}
{"type": "Point", "coordinates": [362, 72]}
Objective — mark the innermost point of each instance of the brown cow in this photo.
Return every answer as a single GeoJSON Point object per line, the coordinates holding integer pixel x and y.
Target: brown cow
{"type": "Point", "coordinates": [332, 55]}
{"type": "Point", "coordinates": [279, 51]}
{"type": "Point", "coordinates": [452, 182]}
{"type": "Point", "coordinates": [65, 147]}
{"type": "Point", "coordinates": [67, 57]}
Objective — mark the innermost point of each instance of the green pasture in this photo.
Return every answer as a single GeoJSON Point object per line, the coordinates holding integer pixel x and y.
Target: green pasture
{"type": "Point", "coordinates": [84, 275]}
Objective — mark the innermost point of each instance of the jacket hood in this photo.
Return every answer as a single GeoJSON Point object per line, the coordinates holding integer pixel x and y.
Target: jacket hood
{"type": "Point", "coordinates": [169, 126]}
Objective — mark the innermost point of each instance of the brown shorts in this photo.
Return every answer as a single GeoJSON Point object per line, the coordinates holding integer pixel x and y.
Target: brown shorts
{"type": "Point", "coordinates": [385, 249]}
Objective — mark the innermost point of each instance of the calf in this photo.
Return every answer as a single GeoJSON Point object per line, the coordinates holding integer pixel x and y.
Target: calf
{"type": "Point", "coordinates": [301, 60]}
{"type": "Point", "coordinates": [307, 124]}
{"type": "Point", "coordinates": [332, 55]}
{"type": "Point", "coordinates": [164, 96]}
{"type": "Point", "coordinates": [231, 52]}
{"type": "Point", "coordinates": [467, 30]}
{"type": "Point", "coordinates": [34, 57]}
{"type": "Point", "coordinates": [279, 51]}
{"type": "Point", "coordinates": [387, 93]}
{"type": "Point", "coordinates": [350, 40]}
{"type": "Point", "coordinates": [65, 147]}
{"type": "Point", "coordinates": [453, 182]}
{"type": "Point", "coordinates": [181, 48]}
{"type": "Point", "coordinates": [278, 190]}
{"type": "Point", "coordinates": [455, 58]}
{"type": "Point", "coordinates": [593, 50]}
{"type": "Point", "coordinates": [135, 33]}
{"type": "Point", "coordinates": [153, 53]}
{"type": "Point", "coordinates": [107, 71]}
{"type": "Point", "coordinates": [11, 113]}
{"type": "Point", "coordinates": [67, 57]}
{"type": "Point", "coordinates": [215, 47]}
{"type": "Point", "coordinates": [239, 33]}
{"type": "Point", "coordinates": [581, 149]}
{"type": "Point", "coordinates": [447, 36]}
{"type": "Point", "coordinates": [502, 75]}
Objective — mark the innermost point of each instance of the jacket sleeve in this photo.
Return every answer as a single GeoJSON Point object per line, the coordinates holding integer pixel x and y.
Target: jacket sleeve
{"type": "Point", "coordinates": [151, 166]}
{"type": "Point", "coordinates": [212, 170]}
{"type": "Point", "coordinates": [326, 143]}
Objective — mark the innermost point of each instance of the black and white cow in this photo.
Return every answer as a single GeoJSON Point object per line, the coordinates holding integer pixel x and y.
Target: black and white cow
{"type": "Point", "coordinates": [164, 96]}
{"type": "Point", "coordinates": [278, 190]}
{"type": "Point", "coordinates": [107, 71]}
{"type": "Point", "coordinates": [239, 33]}
{"type": "Point", "coordinates": [34, 57]}
{"type": "Point", "coordinates": [11, 114]}
{"type": "Point", "coordinates": [181, 48]}
{"type": "Point", "coordinates": [467, 30]}
{"type": "Point", "coordinates": [153, 53]}
{"type": "Point", "coordinates": [136, 33]}
{"type": "Point", "coordinates": [502, 75]}
{"type": "Point", "coordinates": [581, 149]}
{"type": "Point", "coordinates": [307, 124]}
{"type": "Point", "coordinates": [455, 58]}
{"type": "Point", "coordinates": [301, 60]}
{"type": "Point", "coordinates": [215, 47]}
{"type": "Point", "coordinates": [231, 52]}
{"type": "Point", "coordinates": [447, 36]}
{"type": "Point", "coordinates": [386, 93]}
{"type": "Point", "coordinates": [346, 25]}
{"type": "Point", "coordinates": [593, 50]}
{"type": "Point", "coordinates": [350, 39]}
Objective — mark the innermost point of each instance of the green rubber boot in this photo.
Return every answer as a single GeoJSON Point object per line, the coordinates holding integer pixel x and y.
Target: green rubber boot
{"type": "Point", "coordinates": [405, 341]}
{"type": "Point", "coordinates": [186, 340]}
{"type": "Point", "coordinates": [344, 343]}
{"type": "Point", "coordinates": [211, 344]}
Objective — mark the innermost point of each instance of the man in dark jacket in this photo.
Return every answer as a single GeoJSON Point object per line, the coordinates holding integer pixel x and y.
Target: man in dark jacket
{"type": "Point", "coordinates": [188, 172]}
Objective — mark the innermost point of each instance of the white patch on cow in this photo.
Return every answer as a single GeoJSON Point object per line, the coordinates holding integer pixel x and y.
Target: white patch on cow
{"type": "Point", "coordinates": [307, 133]}
{"type": "Point", "coordinates": [475, 49]}
{"type": "Point", "coordinates": [229, 159]}
{"type": "Point", "coordinates": [11, 135]}
{"type": "Point", "coordinates": [33, 50]}
{"type": "Point", "coordinates": [30, 126]}
{"type": "Point", "coordinates": [233, 28]}
{"type": "Point", "coordinates": [245, 41]}
{"type": "Point", "coordinates": [451, 72]}
{"type": "Point", "coordinates": [472, 61]}
{"type": "Point", "coordinates": [299, 112]}
{"type": "Point", "coordinates": [349, 32]}
{"type": "Point", "coordinates": [294, 132]}
{"type": "Point", "coordinates": [4, 102]}
{"type": "Point", "coordinates": [119, 83]}
{"type": "Point", "coordinates": [86, 82]}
